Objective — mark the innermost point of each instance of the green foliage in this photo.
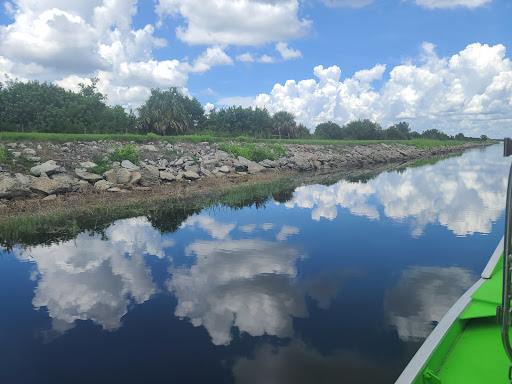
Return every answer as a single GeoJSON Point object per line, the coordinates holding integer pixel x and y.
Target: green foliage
{"type": "Point", "coordinates": [25, 161]}
{"type": "Point", "coordinates": [128, 152]}
{"type": "Point", "coordinates": [434, 134]}
{"type": "Point", "coordinates": [362, 130]}
{"type": "Point", "coordinates": [3, 155]}
{"type": "Point", "coordinates": [43, 107]}
{"type": "Point", "coordinates": [152, 135]}
{"type": "Point", "coordinates": [172, 152]}
{"type": "Point", "coordinates": [169, 113]}
{"type": "Point", "coordinates": [278, 150]}
{"type": "Point", "coordinates": [284, 125]}
{"type": "Point", "coordinates": [102, 165]}
{"type": "Point", "coordinates": [237, 121]}
{"type": "Point", "coordinates": [303, 132]}
{"type": "Point", "coordinates": [249, 151]}
{"type": "Point", "coordinates": [328, 131]}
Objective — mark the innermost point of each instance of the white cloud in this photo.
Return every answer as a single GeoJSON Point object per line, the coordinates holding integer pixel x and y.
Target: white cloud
{"type": "Point", "coordinates": [286, 52]}
{"type": "Point", "coordinates": [242, 283]}
{"type": "Point", "coordinates": [286, 231]}
{"type": "Point", "coordinates": [235, 22]}
{"type": "Point", "coordinates": [90, 278]}
{"type": "Point", "coordinates": [246, 57]}
{"type": "Point", "coordinates": [463, 194]}
{"type": "Point", "coordinates": [211, 57]}
{"type": "Point", "coordinates": [215, 229]}
{"type": "Point", "coordinates": [470, 92]}
{"type": "Point", "coordinates": [433, 4]}
{"type": "Point", "coordinates": [422, 297]}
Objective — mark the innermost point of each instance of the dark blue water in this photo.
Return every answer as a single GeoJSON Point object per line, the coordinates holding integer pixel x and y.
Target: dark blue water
{"type": "Point", "coordinates": [340, 284]}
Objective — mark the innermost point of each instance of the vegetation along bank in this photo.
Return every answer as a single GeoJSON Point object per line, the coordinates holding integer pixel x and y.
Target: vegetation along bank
{"type": "Point", "coordinates": [49, 171]}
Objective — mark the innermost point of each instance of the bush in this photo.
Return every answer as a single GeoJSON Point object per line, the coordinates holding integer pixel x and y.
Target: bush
{"type": "Point", "coordinates": [102, 165]}
{"type": "Point", "coordinates": [128, 152]}
{"type": "Point", "coordinates": [249, 151]}
{"type": "Point", "coordinates": [3, 155]}
{"type": "Point", "coordinates": [152, 135]}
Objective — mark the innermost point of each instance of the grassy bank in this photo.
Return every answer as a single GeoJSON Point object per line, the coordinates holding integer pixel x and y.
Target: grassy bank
{"type": "Point", "coordinates": [164, 213]}
{"type": "Point", "coordinates": [63, 138]}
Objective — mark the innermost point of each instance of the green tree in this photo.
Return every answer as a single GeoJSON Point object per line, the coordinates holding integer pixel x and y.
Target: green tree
{"type": "Point", "coordinates": [238, 121]}
{"type": "Point", "coordinates": [329, 131]}
{"type": "Point", "coordinates": [166, 113]}
{"type": "Point", "coordinates": [284, 125]}
{"type": "Point", "coordinates": [434, 134]}
{"type": "Point", "coordinates": [303, 132]}
{"type": "Point", "coordinates": [362, 130]}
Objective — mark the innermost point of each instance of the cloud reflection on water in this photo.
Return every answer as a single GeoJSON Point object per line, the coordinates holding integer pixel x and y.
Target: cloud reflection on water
{"type": "Point", "coordinates": [90, 278]}
{"type": "Point", "coordinates": [246, 283]}
{"type": "Point", "coordinates": [464, 194]}
{"type": "Point", "coordinates": [422, 297]}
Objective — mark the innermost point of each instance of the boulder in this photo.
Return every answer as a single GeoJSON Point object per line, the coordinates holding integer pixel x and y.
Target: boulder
{"type": "Point", "coordinates": [50, 198]}
{"type": "Point", "coordinates": [23, 179]}
{"type": "Point", "coordinates": [88, 176]}
{"type": "Point", "coordinates": [65, 178]}
{"type": "Point", "coordinates": [194, 167]}
{"type": "Point", "coordinates": [50, 167]}
{"type": "Point", "coordinates": [167, 176]}
{"type": "Point", "coordinates": [29, 152]}
{"type": "Point", "coordinates": [10, 188]}
{"type": "Point", "coordinates": [189, 175]}
{"type": "Point", "coordinates": [134, 178]}
{"type": "Point", "coordinates": [269, 163]}
{"type": "Point", "coordinates": [149, 147]}
{"type": "Point", "coordinates": [224, 169]}
{"type": "Point", "coordinates": [243, 161]}
{"type": "Point", "coordinates": [111, 176]}
{"type": "Point", "coordinates": [123, 175]}
{"type": "Point", "coordinates": [102, 185]}
{"type": "Point", "coordinates": [85, 187]}
{"type": "Point", "coordinates": [149, 179]}
{"type": "Point", "coordinates": [114, 189]}
{"type": "Point", "coordinates": [253, 167]}
{"type": "Point", "coordinates": [154, 170]}
{"type": "Point", "coordinates": [129, 165]}
{"type": "Point", "coordinates": [88, 164]}
{"type": "Point", "coordinates": [49, 186]}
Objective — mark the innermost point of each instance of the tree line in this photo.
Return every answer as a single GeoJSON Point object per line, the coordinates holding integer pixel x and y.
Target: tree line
{"type": "Point", "coordinates": [42, 107]}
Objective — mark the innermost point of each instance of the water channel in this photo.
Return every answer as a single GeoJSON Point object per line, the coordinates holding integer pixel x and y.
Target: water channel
{"type": "Point", "coordinates": [330, 283]}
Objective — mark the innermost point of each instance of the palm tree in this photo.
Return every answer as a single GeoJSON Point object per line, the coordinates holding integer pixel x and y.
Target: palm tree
{"type": "Point", "coordinates": [284, 125]}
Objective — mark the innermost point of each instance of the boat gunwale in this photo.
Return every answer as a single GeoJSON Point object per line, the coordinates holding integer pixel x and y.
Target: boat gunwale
{"type": "Point", "coordinates": [420, 360]}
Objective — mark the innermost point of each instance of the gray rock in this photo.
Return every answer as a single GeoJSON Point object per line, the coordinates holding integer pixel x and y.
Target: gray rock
{"type": "Point", "coordinates": [16, 154]}
{"type": "Point", "coordinates": [23, 179]}
{"type": "Point", "coordinates": [39, 147]}
{"type": "Point", "coordinates": [102, 185]}
{"type": "Point", "coordinates": [50, 167]}
{"type": "Point", "coordinates": [194, 167]}
{"type": "Point", "coordinates": [134, 178]}
{"type": "Point", "coordinates": [85, 187]}
{"type": "Point", "coordinates": [224, 169]}
{"type": "Point", "coordinates": [50, 198]}
{"type": "Point", "coordinates": [269, 163]}
{"type": "Point", "coordinates": [253, 167]}
{"type": "Point", "coordinates": [111, 176]}
{"type": "Point", "coordinates": [149, 147]}
{"type": "Point", "coordinates": [154, 170]}
{"type": "Point", "coordinates": [12, 145]}
{"type": "Point", "coordinates": [29, 152]}
{"type": "Point", "coordinates": [88, 176]}
{"type": "Point", "coordinates": [49, 186]}
{"type": "Point", "coordinates": [167, 176]}
{"type": "Point", "coordinates": [243, 161]}
{"type": "Point", "coordinates": [114, 189]}
{"type": "Point", "coordinates": [10, 188]}
{"type": "Point", "coordinates": [189, 175]}
{"type": "Point", "coordinates": [64, 178]}
{"type": "Point", "coordinates": [123, 175]}
{"type": "Point", "coordinates": [149, 179]}
{"type": "Point", "coordinates": [206, 172]}
{"type": "Point", "coordinates": [88, 164]}
{"type": "Point", "coordinates": [35, 159]}
{"type": "Point", "coordinates": [129, 165]}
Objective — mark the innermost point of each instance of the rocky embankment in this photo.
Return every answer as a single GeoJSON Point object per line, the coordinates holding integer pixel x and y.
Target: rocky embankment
{"type": "Point", "coordinates": [45, 170]}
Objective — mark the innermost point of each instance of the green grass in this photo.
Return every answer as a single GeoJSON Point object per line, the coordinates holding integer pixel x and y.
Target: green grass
{"type": "Point", "coordinates": [249, 151]}
{"type": "Point", "coordinates": [102, 165]}
{"type": "Point", "coordinates": [62, 138]}
{"type": "Point", "coordinates": [3, 155]}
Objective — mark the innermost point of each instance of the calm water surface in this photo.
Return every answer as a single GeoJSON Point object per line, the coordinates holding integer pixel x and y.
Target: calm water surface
{"type": "Point", "coordinates": [330, 284]}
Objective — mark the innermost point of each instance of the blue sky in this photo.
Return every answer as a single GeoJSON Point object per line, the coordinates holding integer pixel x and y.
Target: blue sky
{"type": "Point", "coordinates": [435, 63]}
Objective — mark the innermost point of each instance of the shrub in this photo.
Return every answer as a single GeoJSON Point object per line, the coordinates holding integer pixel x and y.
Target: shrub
{"type": "Point", "coordinates": [249, 151]}
{"type": "Point", "coordinates": [3, 155]}
{"type": "Point", "coordinates": [152, 135]}
{"type": "Point", "coordinates": [102, 165]}
{"type": "Point", "coordinates": [128, 152]}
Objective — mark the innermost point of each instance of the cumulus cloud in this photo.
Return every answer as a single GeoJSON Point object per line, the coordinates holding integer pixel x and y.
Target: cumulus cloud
{"type": "Point", "coordinates": [69, 42]}
{"type": "Point", "coordinates": [470, 92]}
{"type": "Point", "coordinates": [214, 228]}
{"type": "Point", "coordinates": [96, 279]}
{"type": "Point", "coordinates": [450, 4]}
{"type": "Point", "coordinates": [286, 52]}
{"type": "Point", "coordinates": [249, 22]}
{"type": "Point", "coordinates": [241, 283]}
{"type": "Point", "coordinates": [422, 297]}
{"type": "Point", "coordinates": [464, 194]}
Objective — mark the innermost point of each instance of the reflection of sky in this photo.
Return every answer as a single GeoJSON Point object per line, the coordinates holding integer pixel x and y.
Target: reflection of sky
{"type": "Point", "coordinates": [90, 278]}
{"type": "Point", "coordinates": [465, 194]}
{"type": "Point", "coordinates": [422, 297]}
